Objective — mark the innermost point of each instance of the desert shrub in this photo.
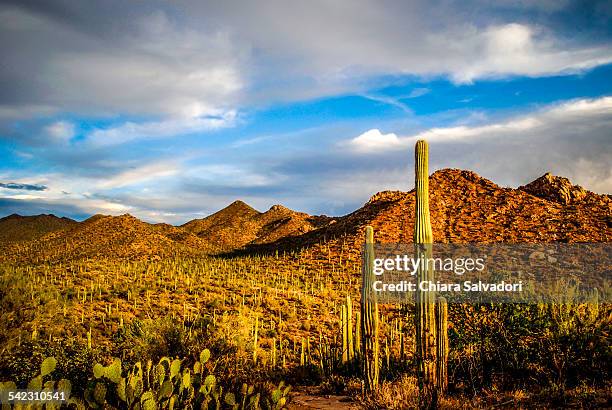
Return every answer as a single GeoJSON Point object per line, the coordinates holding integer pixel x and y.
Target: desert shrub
{"type": "Point", "coordinates": [402, 393]}
{"type": "Point", "coordinates": [517, 345]}
{"type": "Point", "coordinates": [22, 363]}
{"type": "Point", "coordinates": [154, 339]}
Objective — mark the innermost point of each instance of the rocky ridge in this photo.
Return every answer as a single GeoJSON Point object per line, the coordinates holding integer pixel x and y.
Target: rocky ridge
{"type": "Point", "coordinates": [239, 225]}
{"type": "Point", "coordinates": [17, 228]}
{"type": "Point", "coordinates": [464, 208]}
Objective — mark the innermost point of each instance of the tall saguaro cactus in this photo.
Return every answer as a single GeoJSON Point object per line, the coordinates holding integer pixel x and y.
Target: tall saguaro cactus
{"type": "Point", "coordinates": [349, 328]}
{"type": "Point", "coordinates": [370, 350]}
{"type": "Point", "coordinates": [442, 343]}
{"type": "Point", "coordinates": [346, 315]}
{"type": "Point", "coordinates": [343, 324]}
{"type": "Point", "coordinates": [422, 224]}
{"type": "Point", "coordinates": [425, 300]}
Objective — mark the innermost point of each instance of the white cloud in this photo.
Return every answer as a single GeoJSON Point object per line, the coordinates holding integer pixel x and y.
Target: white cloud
{"type": "Point", "coordinates": [231, 175]}
{"type": "Point", "coordinates": [417, 92]}
{"type": "Point", "coordinates": [112, 207]}
{"type": "Point", "coordinates": [391, 101]}
{"type": "Point", "coordinates": [578, 110]}
{"type": "Point", "coordinates": [61, 131]}
{"type": "Point", "coordinates": [130, 131]}
{"type": "Point", "coordinates": [140, 175]}
{"type": "Point", "coordinates": [466, 133]}
{"type": "Point", "coordinates": [374, 140]}
{"type": "Point", "coordinates": [598, 106]}
{"type": "Point", "coordinates": [23, 196]}
{"type": "Point", "coordinates": [149, 64]}
{"type": "Point", "coordinates": [194, 60]}
{"type": "Point", "coordinates": [571, 139]}
{"type": "Point", "coordinates": [336, 45]}
{"type": "Point", "coordinates": [516, 49]}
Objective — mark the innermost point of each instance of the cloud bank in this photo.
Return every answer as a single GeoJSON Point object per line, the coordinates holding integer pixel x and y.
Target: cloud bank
{"type": "Point", "coordinates": [140, 106]}
{"type": "Point", "coordinates": [197, 59]}
{"type": "Point", "coordinates": [26, 187]}
{"type": "Point", "coordinates": [569, 139]}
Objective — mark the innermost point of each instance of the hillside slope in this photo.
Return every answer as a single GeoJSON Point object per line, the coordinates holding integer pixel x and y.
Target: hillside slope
{"type": "Point", "coordinates": [124, 237]}
{"type": "Point", "coordinates": [239, 224]}
{"type": "Point", "coordinates": [464, 208]}
{"type": "Point", "coordinates": [468, 208]}
{"type": "Point", "coordinates": [17, 228]}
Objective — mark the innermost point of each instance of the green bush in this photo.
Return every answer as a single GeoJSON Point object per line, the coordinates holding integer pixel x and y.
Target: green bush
{"type": "Point", "coordinates": [22, 363]}
{"type": "Point", "coordinates": [512, 346]}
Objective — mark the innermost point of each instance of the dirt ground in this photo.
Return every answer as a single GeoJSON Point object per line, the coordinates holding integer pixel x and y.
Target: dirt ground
{"type": "Point", "coordinates": [305, 400]}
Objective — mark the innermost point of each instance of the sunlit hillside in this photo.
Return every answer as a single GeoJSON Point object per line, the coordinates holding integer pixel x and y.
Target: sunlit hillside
{"type": "Point", "coordinates": [267, 304]}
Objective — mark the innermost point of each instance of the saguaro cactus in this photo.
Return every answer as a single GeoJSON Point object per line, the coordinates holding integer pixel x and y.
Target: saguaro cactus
{"type": "Point", "coordinates": [442, 343]}
{"type": "Point", "coordinates": [349, 325]}
{"type": "Point", "coordinates": [255, 337]}
{"type": "Point", "coordinates": [370, 350]}
{"type": "Point", "coordinates": [357, 338]}
{"type": "Point", "coordinates": [343, 324]}
{"type": "Point", "coordinates": [425, 301]}
{"type": "Point", "coordinates": [348, 348]}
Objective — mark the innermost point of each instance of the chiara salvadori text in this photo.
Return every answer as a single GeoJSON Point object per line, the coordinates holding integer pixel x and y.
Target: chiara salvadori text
{"type": "Point", "coordinates": [465, 286]}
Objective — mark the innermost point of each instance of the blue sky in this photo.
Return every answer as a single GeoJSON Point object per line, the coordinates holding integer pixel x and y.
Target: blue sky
{"type": "Point", "coordinates": [172, 110]}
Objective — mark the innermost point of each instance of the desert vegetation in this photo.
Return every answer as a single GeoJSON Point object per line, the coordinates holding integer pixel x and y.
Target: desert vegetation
{"type": "Point", "coordinates": [122, 314]}
{"type": "Point", "coordinates": [270, 320]}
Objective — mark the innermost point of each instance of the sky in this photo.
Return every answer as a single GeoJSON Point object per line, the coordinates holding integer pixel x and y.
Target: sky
{"type": "Point", "coordinates": [171, 110]}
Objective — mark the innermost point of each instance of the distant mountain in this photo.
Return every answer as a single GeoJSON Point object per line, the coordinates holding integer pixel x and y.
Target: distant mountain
{"type": "Point", "coordinates": [17, 228]}
{"type": "Point", "coordinates": [239, 224]}
{"type": "Point", "coordinates": [464, 208]}
{"type": "Point", "coordinates": [112, 237]}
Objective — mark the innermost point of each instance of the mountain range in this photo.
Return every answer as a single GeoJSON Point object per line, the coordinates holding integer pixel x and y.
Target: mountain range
{"type": "Point", "coordinates": [464, 208]}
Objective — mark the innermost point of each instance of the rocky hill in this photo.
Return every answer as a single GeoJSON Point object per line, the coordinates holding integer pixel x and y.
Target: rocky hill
{"type": "Point", "coordinates": [468, 208]}
{"type": "Point", "coordinates": [556, 189]}
{"type": "Point", "coordinates": [464, 208]}
{"type": "Point", "coordinates": [239, 224]}
{"type": "Point", "coordinates": [560, 190]}
{"type": "Point", "coordinates": [17, 228]}
{"type": "Point", "coordinates": [124, 237]}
